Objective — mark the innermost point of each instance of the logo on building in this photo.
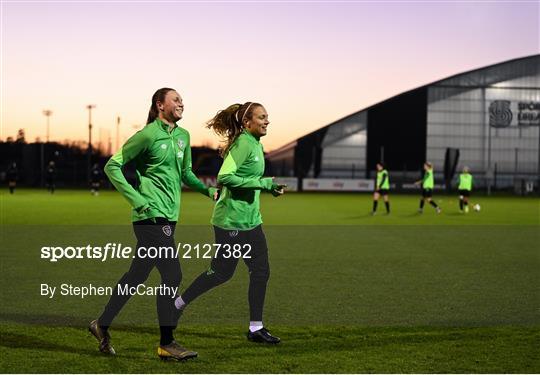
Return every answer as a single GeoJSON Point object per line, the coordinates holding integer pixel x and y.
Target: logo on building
{"type": "Point", "coordinates": [500, 114]}
{"type": "Point", "coordinates": [529, 114]}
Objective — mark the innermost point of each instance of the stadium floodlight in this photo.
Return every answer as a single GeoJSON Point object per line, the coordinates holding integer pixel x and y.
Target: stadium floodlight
{"type": "Point", "coordinates": [117, 133]}
{"type": "Point", "coordinates": [47, 113]}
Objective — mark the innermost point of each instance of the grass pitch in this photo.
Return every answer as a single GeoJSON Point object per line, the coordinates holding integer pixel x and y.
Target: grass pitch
{"type": "Point", "coordinates": [348, 292]}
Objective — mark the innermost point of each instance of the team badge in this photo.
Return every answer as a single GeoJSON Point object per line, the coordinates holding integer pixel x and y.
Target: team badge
{"type": "Point", "coordinates": [167, 230]}
{"type": "Point", "coordinates": [500, 114]}
{"type": "Point", "coordinates": [181, 144]}
{"type": "Point", "coordinates": [233, 233]}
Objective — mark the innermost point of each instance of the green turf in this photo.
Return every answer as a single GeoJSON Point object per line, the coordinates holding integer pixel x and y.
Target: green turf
{"type": "Point", "coordinates": [348, 292]}
{"type": "Point", "coordinates": [314, 349]}
{"type": "Point", "coordinates": [79, 207]}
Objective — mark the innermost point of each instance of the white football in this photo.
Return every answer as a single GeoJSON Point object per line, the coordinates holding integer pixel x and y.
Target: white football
{"type": "Point", "coordinates": [476, 207]}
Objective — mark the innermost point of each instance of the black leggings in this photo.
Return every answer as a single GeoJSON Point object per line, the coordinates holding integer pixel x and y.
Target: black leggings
{"type": "Point", "coordinates": [222, 268]}
{"type": "Point", "coordinates": [149, 233]}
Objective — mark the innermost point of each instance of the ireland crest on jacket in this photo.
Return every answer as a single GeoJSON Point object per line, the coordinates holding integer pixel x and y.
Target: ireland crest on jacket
{"type": "Point", "coordinates": [181, 146]}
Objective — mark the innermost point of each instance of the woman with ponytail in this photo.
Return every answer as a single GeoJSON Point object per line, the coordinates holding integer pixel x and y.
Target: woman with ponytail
{"type": "Point", "coordinates": [237, 219]}
{"type": "Point", "coordinates": [162, 155]}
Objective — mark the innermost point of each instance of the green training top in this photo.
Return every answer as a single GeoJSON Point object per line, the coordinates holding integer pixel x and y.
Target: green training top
{"type": "Point", "coordinates": [465, 181]}
{"type": "Point", "coordinates": [163, 161]}
{"type": "Point", "coordinates": [240, 178]}
{"type": "Point", "coordinates": [382, 180]}
{"type": "Point", "coordinates": [428, 182]}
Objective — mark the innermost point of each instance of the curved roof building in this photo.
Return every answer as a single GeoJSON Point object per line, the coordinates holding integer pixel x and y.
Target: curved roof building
{"type": "Point", "coordinates": [490, 117]}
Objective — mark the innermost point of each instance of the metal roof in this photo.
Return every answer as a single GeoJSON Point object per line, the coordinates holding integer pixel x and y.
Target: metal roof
{"type": "Point", "coordinates": [528, 66]}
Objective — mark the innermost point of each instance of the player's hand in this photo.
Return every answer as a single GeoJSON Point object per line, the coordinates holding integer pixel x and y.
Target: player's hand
{"type": "Point", "coordinates": [143, 210]}
{"type": "Point", "coordinates": [214, 193]}
{"type": "Point", "coordinates": [278, 189]}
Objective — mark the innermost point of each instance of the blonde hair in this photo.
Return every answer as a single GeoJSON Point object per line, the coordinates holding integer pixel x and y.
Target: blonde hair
{"type": "Point", "coordinates": [228, 123]}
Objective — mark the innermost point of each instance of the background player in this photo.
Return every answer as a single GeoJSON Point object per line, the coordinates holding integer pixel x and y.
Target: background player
{"type": "Point", "coordinates": [464, 189]}
{"type": "Point", "coordinates": [382, 187]}
{"type": "Point", "coordinates": [427, 183]}
{"type": "Point", "coordinates": [12, 175]}
{"type": "Point", "coordinates": [95, 179]}
{"type": "Point", "coordinates": [50, 177]}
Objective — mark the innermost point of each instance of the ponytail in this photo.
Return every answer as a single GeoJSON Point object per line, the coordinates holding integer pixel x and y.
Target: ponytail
{"type": "Point", "coordinates": [228, 123]}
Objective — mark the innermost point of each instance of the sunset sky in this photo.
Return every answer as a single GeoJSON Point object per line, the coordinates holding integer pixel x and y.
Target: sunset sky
{"type": "Point", "coordinates": [309, 63]}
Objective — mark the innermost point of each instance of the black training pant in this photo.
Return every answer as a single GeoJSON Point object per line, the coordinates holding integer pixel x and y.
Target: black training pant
{"type": "Point", "coordinates": [222, 268]}
{"type": "Point", "coordinates": [150, 234]}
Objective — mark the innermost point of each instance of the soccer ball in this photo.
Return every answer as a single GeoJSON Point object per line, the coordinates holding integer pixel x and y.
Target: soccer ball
{"type": "Point", "coordinates": [476, 207]}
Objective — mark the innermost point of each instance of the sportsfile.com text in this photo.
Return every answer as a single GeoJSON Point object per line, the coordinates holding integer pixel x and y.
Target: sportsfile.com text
{"type": "Point", "coordinates": [117, 251]}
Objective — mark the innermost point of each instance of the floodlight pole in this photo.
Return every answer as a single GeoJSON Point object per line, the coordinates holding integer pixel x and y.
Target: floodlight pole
{"type": "Point", "coordinates": [47, 113]}
{"type": "Point", "coordinates": [89, 151]}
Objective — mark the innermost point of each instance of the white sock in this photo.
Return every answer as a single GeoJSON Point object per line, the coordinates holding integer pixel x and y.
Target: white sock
{"type": "Point", "coordinates": [255, 326]}
{"type": "Point", "coordinates": [179, 303]}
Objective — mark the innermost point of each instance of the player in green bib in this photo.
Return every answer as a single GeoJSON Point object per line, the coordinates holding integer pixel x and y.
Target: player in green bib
{"type": "Point", "coordinates": [464, 188]}
{"type": "Point", "coordinates": [237, 219]}
{"type": "Point", "coordinates": [161, 154]}
{"type": "Point", "coordinates": [427, 182]}
{"type": "Point", "coordinates": [382, 187]}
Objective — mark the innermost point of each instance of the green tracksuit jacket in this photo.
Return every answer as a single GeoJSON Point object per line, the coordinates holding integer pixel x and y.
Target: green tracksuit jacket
{"type": "Point", "coordinates": [241, 185]}
{"type": "Point", "coordinates": [163, 161]}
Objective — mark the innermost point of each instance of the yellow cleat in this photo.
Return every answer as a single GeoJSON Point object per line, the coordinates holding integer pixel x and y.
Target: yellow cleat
{"type": "Point", "coordinates": [175, 351]}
